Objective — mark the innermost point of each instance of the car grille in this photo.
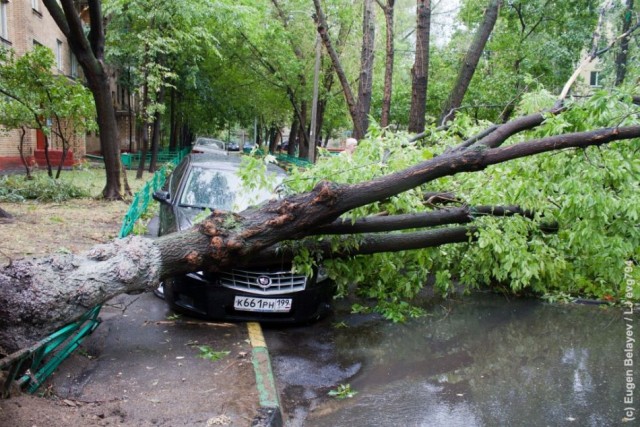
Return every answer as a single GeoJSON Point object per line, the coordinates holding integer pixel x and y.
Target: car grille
{"type": "Point", "coordinates": [263, 282]}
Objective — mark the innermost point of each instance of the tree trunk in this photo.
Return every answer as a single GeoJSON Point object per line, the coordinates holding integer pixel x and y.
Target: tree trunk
{"type": "Point", "coordinates": [327, 83]}
{"type": "Point", "coordinates": [273, 138]}
{"type": "Point", "coordinates": [145, 132]}
{"type": "Point", "coordinates": [155, 139]}
{"type": "Point", "coordinates": [293, 136]}
{"type": "Point", "coordinates": [420, 69]}
{"type": "Point", "coordinates": [366, 66]}
{"type": "Point", "coordinates": [89, 51]}
{"type": "Point", "coordinates": [27, 168]}
{"type": "Point", "coordinates": [303, 133]}
{"type": "Point", "coordinates": [388, 10]}
{"type": "Point", "coordinates": [470, 62]}
{"type": "Point", "coordinates": [623, 53]}
{"type": "Point", "coordinates": [173, 133]}
{"type": "Point", "coordinates": [358, 132]}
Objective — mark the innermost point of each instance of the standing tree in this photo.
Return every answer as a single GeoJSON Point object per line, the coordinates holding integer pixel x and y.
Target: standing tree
{"type": "Point", "coordinates": [88, 48]}
{"type": "Point", "coordinates": [323, 31]}
{"type": "Point", "coordinates": [365, 81]}
{"type": "Point", "coordinates": [420, 70]}
{"type": "Point", "coordinates": [623, 52]}
{"type": "Point", "coordinates": [470, 62]}
{"type": "Point", "coordinates": [35, 97]}
{"type": "Point", "coordinates": [157, 43]}
{"type": "Point", "coordinates": [388, 10]}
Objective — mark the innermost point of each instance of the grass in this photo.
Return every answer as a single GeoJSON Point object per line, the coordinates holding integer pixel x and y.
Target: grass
{"type": "Point", "coordinates": [93, 179]}
{"type": "Point", "coordinates": [79, 182]}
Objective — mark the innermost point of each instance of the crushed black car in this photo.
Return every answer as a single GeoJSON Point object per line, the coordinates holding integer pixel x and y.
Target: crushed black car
{"type": "Point", "coordinates": [265, 293]}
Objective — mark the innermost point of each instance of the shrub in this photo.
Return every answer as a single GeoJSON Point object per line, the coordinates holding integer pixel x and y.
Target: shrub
{"type": "Point", "coordinates": [15, 188]}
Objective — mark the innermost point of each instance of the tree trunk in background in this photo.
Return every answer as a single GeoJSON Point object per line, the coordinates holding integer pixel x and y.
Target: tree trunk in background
{"type": "Point", "coordinates": [145, 132]}
{"type": "Point", "coordinates": [420, 69]}
{"type": "Point", "coordinates": [358, 132]}
{"type": "Point", "coordinates": [623, 53]}
{"type": "Point", "coordinates": [89, 51]}
{"type": "Point", "coordinates": [273, 138]}
{"type": "Point", "coordinates": [470, 62]}
{"type": "Point", "coordinates": [173, 133]}
{"type": "Point", "coordinates": [155, 139]}
{"type": "Point", "coordinates": [303, 134]}
{"type": "Point", "coordinates": [293, 136]}
{"type": "Point", "coordinates": [388, 10]}
{"type": "Point", "coordinates": [327, 83]}
{"type": "Point", "coordinates": [258, 134]}
{"type": "Point", "coordinates": [366, 65]}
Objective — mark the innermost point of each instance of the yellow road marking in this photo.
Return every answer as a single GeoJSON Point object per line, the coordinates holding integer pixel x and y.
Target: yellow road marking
{"type": "Point", "coordinates": [255, 335]}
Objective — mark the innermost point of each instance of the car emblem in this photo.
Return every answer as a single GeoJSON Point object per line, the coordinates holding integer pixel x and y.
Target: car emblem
{"type": "Point", "coordinates": [263, 281]}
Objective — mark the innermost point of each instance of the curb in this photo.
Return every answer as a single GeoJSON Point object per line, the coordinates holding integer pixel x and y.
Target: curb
{"type": "Point", "coordinates": [269, 414]}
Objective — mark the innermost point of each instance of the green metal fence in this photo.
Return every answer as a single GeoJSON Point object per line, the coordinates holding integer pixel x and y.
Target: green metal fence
{"type": "Point", "coordinates": [131, 160]}
{"type": "Point", "coordinates": [142, 198]}
{"type": "Point", "coordinates": [30, 367]}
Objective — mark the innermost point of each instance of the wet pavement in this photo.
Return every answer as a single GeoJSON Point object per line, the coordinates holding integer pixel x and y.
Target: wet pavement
{"type": "Point", "coordinates": [144, 367]}
{"type": "Point", "coordinates": [479, 360]}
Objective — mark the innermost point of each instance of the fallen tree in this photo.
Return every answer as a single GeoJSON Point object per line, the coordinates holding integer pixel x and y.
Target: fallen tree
{"type": "Point", "coordinates": [38, 296]}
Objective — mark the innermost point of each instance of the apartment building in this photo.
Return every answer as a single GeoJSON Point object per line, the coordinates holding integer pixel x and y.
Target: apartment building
{"type": "Point", "coordinates": [24, 24]}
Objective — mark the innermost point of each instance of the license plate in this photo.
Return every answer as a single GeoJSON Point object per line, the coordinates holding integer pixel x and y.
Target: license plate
{"type": "Point", "coordinates": [266, 305]}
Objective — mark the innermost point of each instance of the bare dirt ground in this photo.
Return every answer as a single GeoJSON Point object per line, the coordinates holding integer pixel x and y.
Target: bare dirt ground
{"type": "Point", "coordinates": [43, 228]}
{"type": "Point", "coordinates": [215, 394]}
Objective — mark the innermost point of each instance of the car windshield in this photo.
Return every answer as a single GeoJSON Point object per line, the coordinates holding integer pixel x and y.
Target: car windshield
{"type": "Point", "coordinates": [219, 189]}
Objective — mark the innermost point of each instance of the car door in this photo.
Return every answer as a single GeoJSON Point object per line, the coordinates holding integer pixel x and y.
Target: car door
{"type": "Point", "coordinates": [167, 214]}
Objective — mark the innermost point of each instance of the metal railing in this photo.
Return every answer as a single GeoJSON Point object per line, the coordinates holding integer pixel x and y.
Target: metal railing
{"type": "Point", "coordinates": [142, 198]}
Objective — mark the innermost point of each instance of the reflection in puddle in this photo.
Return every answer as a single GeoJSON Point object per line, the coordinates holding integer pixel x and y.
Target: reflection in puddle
{"type": "Point", "coordinates": [483, 361]}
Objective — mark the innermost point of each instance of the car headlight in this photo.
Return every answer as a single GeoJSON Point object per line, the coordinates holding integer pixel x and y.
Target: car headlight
{"type": "Point", "coordinates": [322, 274]}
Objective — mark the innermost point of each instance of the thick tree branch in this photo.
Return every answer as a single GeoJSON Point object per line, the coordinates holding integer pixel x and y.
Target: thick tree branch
{"type": "Point", "coordinates": [376, 224]}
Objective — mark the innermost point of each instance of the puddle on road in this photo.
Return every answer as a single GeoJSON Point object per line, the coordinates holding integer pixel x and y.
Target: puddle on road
{"type": "Point", "coordinates": [483, 361]}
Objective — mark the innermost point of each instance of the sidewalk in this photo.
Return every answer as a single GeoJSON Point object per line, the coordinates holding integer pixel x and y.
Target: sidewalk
{"type": "Point", "coordinates": [140, 368]}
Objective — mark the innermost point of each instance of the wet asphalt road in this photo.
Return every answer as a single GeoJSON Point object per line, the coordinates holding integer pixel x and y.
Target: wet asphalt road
{"type": "Point", "coordinates": [481, 360]}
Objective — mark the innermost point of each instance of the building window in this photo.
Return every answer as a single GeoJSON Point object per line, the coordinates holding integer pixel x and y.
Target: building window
{"type": "Point", "coordinates": [74, 65]}
{"type": "Point", "coordinates": [4, 30]}
{"type": "Point", "coordinates": [59, 54]}
{"type": "Point", "coordinates": [594, 79]}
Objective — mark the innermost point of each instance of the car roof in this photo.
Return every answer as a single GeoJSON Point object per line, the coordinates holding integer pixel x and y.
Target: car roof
{"type": "Point", "coordinates": [220, 161]}
{"type": "Point", "coordinates": [207, 139]}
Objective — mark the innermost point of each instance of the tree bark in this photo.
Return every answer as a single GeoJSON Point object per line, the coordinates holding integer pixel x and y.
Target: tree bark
{"type": "Point", "coordinates": [155, 138]}
{"type": "Point", "coordinates": [366, 66]}
{"type": "Point", "coordinates": [358, 132]}
{"type": "Point", "coordinates": [420, 69]}
{"type": "Point", "coordinates": [388, 10]}
{"type": "Point", "coordinates": [623, 53]}
{"type": "Point", "coordinates": [89, 51]}
{"type": "Point", "coordinates": [145, 131]}
{"type": "Point", "coordinates": [470, 62]}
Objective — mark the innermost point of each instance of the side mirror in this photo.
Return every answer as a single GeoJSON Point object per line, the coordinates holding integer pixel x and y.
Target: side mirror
{"type": "Point", "coordinates": [161, 196]}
